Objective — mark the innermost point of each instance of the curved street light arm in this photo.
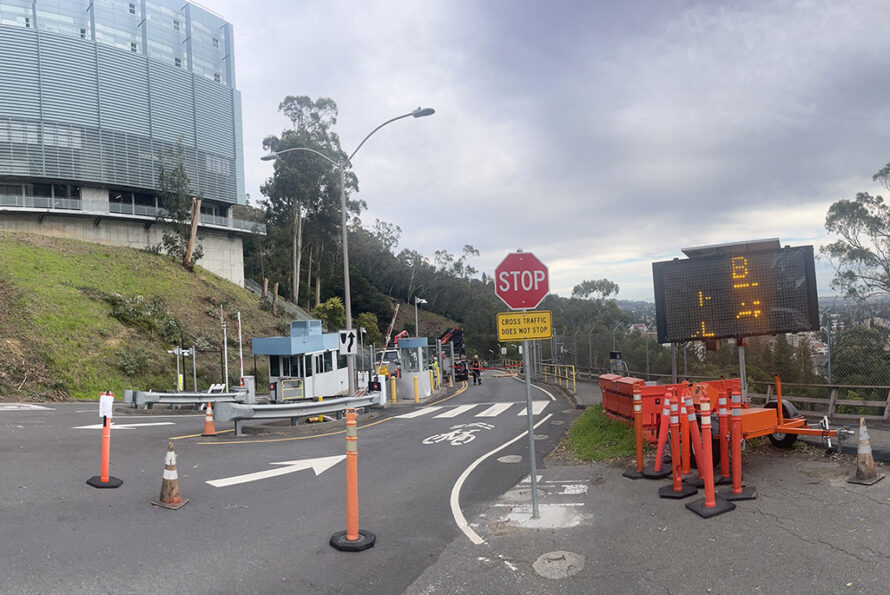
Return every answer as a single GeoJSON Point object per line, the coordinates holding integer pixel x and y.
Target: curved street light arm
{"type": "Point", "coordinates": [272, 156]}
{"type": "Point", "coordinates": [418, 113]}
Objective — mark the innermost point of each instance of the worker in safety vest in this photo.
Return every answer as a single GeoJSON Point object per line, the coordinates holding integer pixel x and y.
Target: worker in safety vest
{"type": "Point", "coordinates": [476, 369]}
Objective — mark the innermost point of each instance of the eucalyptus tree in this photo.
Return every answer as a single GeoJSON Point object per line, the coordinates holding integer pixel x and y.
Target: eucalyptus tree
{"type": "Point", "coordinates": [304, 187]}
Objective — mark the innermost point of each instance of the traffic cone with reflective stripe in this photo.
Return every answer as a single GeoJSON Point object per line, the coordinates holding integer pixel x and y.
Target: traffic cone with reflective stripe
{"type": "Point", "coordinates": [209, 430]}
{"type": "Point", "coordinates": [865, 462]}
{"type": "Point", "coordinates": [170, 497]}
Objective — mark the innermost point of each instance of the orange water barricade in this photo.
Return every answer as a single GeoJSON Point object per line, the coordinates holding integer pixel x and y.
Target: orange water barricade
{"type": "Point", "coordinates": [618, 398]}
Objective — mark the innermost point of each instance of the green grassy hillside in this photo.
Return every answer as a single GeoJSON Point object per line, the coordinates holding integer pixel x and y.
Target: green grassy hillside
{"type": "Point", "coordinates": [78, 318]}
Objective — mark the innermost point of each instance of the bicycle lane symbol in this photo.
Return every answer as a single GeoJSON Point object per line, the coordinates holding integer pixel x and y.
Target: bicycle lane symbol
{"type": "Point", "coordinates": [459, 434]}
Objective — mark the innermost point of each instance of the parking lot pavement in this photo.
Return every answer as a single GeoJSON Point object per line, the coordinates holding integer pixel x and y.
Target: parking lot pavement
{"type": "Point", "coordinates": [808, 531]}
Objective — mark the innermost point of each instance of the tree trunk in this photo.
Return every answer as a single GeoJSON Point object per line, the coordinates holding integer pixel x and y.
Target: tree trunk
{"type": "Point", "coordinates": [275, 299]}
{"type": "Point", "coordinates": [265, 288]}
{"type": "Point", "coordinates": [193, 234]}
{"type": "Point", "coordinates": [309, 280]}
{"type": "Point", "coordinates": [297, 249]}
{"type": "Point", "coordinates": [318, 276]}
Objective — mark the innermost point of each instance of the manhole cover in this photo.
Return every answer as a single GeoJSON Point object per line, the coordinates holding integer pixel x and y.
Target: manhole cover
{"type": "Point", "coordinates": [541, 436]}
{"type": "Point", "coordinates": [557, 422]}
{"type": "Point", "coordinates": [558, 565]}
{"type": "Point", "coordinates": [510, 459]}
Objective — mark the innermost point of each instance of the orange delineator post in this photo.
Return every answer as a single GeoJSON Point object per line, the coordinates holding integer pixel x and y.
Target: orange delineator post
{"type": "Point", "coordinates": [678, 489]}
{"type": "Point", "coordinates": [104, 479]}
{"type": "Point", "coordinates": [779, 399]}
{"type": "Point", "coordinates": [710, 505]}
{"type": "Point", "coordinates": [353, 539]}
{"type": "Point", "coordinates": [723, 436]}
{"type": "Point", "coordinates": [106, 450]}
{"type": "Point", "coordinates": [637, 472]}
{"type": "Point", "coordinates": [696, 439]}
{"type": "Point", "coordinates": [685, 461]}
{"type": "Point", "coordinates": [655, 471]}
{"type": "Point", "coordinates": [738, 492]}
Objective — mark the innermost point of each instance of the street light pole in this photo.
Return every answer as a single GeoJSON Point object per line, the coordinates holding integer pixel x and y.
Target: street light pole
{"type": "Point", "coordinates": [341, 166]}
{"type": "Point", "coordinates": [417, 300]}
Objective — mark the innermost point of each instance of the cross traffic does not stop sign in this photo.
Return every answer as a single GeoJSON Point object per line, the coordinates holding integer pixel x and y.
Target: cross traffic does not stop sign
{"type": "Point", "coordinates": [521, 281]}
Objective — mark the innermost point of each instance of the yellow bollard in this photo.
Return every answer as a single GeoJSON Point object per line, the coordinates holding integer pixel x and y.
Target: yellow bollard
{"type": "Point", "coordinates": [416, 394]}
{"type": "Point", "coordinates": [574, 385]}
{"type": "Point", "coordinates": [432, 386]}
{"type": "Point", "coordinates": [392, 387]}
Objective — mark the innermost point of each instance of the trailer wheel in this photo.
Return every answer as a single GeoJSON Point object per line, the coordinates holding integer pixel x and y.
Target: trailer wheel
{"type": "Point", "coordinates": [781, 439]}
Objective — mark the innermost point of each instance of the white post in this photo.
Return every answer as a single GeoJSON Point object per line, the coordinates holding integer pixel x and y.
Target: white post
{"type": "Point", "coordinates": [225, 349]}
{"type": "Point", "coordinates": [240, 352]}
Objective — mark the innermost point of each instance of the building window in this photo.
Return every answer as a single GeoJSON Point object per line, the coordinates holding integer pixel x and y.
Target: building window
{"type": "Point", "coordinates": [83, 33]}
{"type": "Point", "coordinates": [27, 21]}
{"type": "Point", "coordinates": [175, 25]}
{"type": "Point", "coordinates": [177, 62]}
{"type": "Point", "coordinates": [216, 77]}
{"type": "Point", "coordinates": [132, 8]}
{"type": "Point", "coordinates": [215, 42]}
{"type": "Point", "coordinates": [133, 46]}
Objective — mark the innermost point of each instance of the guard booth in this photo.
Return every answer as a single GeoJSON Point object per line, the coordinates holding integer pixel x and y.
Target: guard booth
{"type": "Point", "coordinates": [304, 365]}
{"type": "Point", "coordinates": [415, 355]}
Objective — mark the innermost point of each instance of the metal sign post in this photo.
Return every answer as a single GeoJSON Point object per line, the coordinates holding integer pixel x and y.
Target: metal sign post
{"type": "Point", "coordinates": [531, 432]}
{"type": "Point", "coordinates": [522, 281]}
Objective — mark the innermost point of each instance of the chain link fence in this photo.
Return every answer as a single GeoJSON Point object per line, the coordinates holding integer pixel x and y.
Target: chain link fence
{"type": "Point", "coordinates": [854, 361]}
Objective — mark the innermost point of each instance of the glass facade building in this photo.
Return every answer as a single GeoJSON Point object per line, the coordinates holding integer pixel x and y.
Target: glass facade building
{"type": "Point", "coordinates": [91, 91]}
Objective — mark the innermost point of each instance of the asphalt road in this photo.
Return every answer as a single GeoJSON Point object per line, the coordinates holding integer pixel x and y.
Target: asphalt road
{"type": "Point", "coordinates": [269, 535]}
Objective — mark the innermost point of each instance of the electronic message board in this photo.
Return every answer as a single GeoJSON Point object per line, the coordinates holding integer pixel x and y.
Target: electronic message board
{"type": "Point", "coordinates": [739, 294]}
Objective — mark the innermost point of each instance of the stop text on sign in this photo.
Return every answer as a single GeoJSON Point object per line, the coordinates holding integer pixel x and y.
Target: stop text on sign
{"type": "Point", "coordinates": [525, 326]}
{"type": "Point", "coordinates": [524, 280]}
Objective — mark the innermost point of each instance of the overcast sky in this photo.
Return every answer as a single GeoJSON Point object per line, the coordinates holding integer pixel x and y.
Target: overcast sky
{"type": "Point", "coordinates": [602, 136]}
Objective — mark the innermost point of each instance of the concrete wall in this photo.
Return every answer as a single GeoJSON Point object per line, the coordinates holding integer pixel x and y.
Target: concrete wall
{"type": "Point", "coordinates": [223, 252]}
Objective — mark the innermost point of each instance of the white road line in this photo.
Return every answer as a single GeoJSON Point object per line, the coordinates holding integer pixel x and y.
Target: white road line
{"type": "Point", "coordinates": [23, 407]}
{"type": "Point", "coordinates": [456, 512]}
{"type": "Point", "coordinates": [118, 426]}
{"type": "Point", "coordinates": [537, 408]}
{"type": "Point", "coordinates": [418, 413]}
{"type": "Point", "coordinates": [455, 411]}
{"type": "Point", "coordinates": [495, 410]}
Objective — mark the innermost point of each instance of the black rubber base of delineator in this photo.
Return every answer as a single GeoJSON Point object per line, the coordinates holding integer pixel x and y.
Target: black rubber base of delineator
{"type": "Point", "coordinates": [866, 482]}
{"type": "Point", "coordinates": [723, 480]}
{"type": "Point", "coordinates": [668, 492]}
{"type": "Point", "coordinates": [747, 493]}
{"type": "Point", "coordinates": [649, 471]}
{"type": "Point", "coordinates": [632, 474]}
{"type": "Point", "coordinates": [365, 540]}
{"type": "Point", "coordinates": [721, 505]}
{"type": "Point", "coordinates": [96, 482]}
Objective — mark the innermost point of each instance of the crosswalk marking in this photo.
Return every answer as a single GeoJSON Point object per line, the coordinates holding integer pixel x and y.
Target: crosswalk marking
{"type": "Point", "coordinates": [537, 407]}
{"type": "Point", "coordinates": [495, 410]}
{"type": "Point", "coordinates": [455, 411]}
{"type": "Point", "coordinates": [418, 413]}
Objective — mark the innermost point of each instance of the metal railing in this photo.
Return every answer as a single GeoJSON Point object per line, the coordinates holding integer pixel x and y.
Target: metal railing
{"type": "Point", "coordinates": [240, 412]}
{"type": "Point", "coordinates": [8, 201]}
{"type": "Point", "coordinates": [558, 374]}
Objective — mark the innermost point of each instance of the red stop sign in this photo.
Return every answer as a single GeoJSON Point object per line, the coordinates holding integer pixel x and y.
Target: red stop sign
{"type": "Point", "coordinates": [521, 281]}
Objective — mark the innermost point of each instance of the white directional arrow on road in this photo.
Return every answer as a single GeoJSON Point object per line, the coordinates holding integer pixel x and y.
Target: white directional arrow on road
{"type": "Point", "coordinates": [318, 465]}
{"type": "Point", "coordinates": [125, 426]}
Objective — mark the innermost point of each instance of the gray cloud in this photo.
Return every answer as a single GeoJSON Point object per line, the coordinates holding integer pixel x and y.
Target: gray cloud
{"type": "Point", "coordinates": [602, 136]}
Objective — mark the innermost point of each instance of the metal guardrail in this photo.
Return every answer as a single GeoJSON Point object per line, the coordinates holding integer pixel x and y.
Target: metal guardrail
{"type": "Point", "coordinates": [146, 399]}
{"type": "Point", "coordinates": [240, 412]}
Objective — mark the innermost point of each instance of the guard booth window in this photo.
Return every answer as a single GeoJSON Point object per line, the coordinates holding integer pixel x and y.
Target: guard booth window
{"type": "Point", "coordinates": [308, 366]}
{"type": "Point", "coordinates": [319, 364]}
{"type": "Point", "coordinates": [273, 365]}
{"type": "Point", "coordinates": [296, 365]}
{"type": "Point", "coordinates": [285, 366]}
{"type": "Point", "coordinates": [328, 361]}
{"type": "Point", "coordinates": [341, 361]}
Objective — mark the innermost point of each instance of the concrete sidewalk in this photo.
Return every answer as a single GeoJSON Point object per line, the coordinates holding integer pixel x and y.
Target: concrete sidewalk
{"type": "Point", "coordinates": [588, 394]}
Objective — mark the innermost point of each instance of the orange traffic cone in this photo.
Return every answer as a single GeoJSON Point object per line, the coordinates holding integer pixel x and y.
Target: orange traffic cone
{"type": "Point", "coordinates": [209, 430]}
{"type": "Point", "coordinates": [170, 485]}
{"type": "Point", "coordinates": [865, 462]}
